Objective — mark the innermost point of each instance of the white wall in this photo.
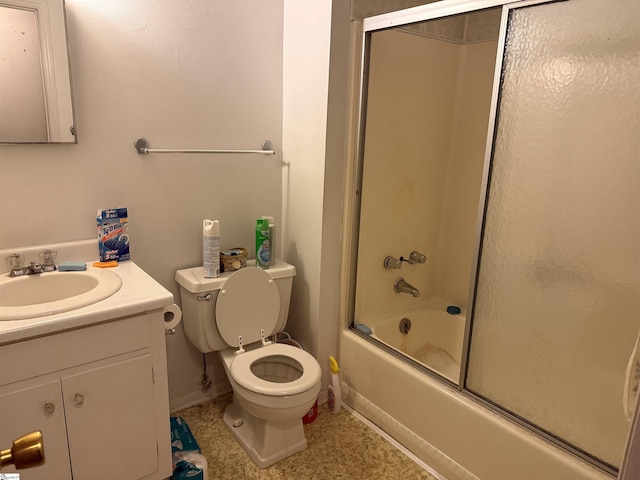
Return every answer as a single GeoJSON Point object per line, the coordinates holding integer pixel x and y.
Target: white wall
{"type": "Point", "coordinates": [307, 32]}
{"type": "Point", "coordinates": [186, 74]}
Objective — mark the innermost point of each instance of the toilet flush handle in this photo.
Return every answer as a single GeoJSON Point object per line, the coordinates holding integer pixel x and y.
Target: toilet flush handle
{"type": "Point", "coordinates": [205, 298]}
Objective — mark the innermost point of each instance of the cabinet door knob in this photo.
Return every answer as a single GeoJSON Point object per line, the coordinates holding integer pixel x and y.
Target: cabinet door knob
{"type": "Point", "coordinates": [49, 408]}
{"type": "Point", "coordinates": [78, 399]}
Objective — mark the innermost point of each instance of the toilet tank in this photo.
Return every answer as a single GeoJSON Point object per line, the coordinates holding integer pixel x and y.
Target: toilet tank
{"type": "Point", "coordinates": [198, 296]}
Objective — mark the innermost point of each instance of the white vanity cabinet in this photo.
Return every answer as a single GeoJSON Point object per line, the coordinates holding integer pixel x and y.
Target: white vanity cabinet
{"type": "Point", "coordinates": [99, 396]}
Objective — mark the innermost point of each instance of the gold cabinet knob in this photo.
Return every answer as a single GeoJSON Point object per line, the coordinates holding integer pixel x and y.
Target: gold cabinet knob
{"type": "Point", "coordinates": [26, 451]}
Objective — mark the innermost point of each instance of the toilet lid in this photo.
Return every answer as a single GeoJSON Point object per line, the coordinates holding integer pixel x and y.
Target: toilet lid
{"type": "Point", "coordinates": [248, 302]}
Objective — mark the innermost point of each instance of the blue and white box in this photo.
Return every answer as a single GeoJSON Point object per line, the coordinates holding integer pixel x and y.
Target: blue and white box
{"type": "Point", "coordinates": [113, 234]}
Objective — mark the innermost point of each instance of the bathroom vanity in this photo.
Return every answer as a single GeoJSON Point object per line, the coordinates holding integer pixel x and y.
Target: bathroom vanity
{"type": "Point", "coordinates": [94, 381]}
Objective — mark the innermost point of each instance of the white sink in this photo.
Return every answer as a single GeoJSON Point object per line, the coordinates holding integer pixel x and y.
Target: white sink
{"type": "Point", "coordinates": [48, 293]}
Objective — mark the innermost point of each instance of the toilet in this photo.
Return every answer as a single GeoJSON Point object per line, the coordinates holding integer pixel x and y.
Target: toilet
{"type": "Point", "coordinates": [274, 384]}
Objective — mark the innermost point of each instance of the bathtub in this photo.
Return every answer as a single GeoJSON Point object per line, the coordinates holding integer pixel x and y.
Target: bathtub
{"type": "Point", "coordinates": [447, 429]}
{"type": "Point", "coordinates": [435, 338]}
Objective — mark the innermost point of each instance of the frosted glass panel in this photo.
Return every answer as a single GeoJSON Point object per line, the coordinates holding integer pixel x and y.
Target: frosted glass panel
{"type": "Point", "coordinates": [557, 305]}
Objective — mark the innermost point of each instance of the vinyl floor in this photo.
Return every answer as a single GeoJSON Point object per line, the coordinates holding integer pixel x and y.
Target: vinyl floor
{"type": "Point", "coordinates": [338, 447]}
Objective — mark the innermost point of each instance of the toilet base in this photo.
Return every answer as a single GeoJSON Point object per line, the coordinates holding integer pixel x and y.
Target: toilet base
{"type": "Point", "coordinates": [265, 442]}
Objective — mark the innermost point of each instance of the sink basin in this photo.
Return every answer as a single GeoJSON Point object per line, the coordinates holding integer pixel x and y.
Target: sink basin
{"type": "Point", "coordinates": [33, 296]}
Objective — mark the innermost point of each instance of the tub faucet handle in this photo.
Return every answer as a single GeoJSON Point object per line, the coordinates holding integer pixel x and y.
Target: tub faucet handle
{"type": "Point", "coordinates": [417, 257]}
{"type": "Point", "coordinates": [391, 262]}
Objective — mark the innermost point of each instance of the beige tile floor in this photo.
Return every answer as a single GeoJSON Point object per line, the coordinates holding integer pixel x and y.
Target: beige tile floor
{"type": "Point", "coordinates": [339, 447]}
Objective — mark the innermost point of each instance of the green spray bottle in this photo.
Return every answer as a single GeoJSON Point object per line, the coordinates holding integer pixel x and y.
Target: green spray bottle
{"type": "Point", "coordinates": [262, 243]}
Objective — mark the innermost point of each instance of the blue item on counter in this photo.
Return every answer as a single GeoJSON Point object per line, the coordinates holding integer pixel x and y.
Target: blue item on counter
{"type": "Point", "coordinates": [72, 266]}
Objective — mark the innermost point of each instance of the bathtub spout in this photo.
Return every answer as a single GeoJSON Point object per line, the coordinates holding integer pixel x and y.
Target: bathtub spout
{"type": "Point", "coordinates": [403, 287]}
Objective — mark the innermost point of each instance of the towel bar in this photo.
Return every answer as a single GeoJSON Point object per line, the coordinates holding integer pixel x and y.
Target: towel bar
{"type": "Point", "coordinates": [142, 146]}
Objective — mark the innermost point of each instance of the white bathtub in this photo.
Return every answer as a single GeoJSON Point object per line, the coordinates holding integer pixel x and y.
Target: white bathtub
{"type": "Point", "coordinates": [442, 426]}
{"type": "Point", "coordinates": [435, 338]}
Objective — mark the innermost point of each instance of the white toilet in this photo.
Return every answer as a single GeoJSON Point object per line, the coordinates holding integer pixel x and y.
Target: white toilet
{"type": "Point", "coordinates": [274, 384]}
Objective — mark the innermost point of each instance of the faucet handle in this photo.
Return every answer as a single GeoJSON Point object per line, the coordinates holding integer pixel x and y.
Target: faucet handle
{"type": "Point", "coordinates": [414, 257]}
{"type": "Point", "coordinates": [15, 261]}
{"type": "Point", "coordinates": [417, 257]}
{"type": "Point", "coordinates": [48, 259]}
{"type": "Point", "coordinates": [391, 262]}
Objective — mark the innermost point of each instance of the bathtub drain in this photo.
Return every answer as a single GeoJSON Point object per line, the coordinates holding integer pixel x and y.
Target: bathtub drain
{"type": "Point", "coordinates": [405, 325]}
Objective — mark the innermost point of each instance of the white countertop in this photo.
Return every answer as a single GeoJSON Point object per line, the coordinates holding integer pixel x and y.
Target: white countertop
{"type": "Point", "coordinates": [139, 293]}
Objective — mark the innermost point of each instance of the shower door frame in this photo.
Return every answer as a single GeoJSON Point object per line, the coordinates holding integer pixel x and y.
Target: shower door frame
{"type": "Point", "coordinates": [629, 467]}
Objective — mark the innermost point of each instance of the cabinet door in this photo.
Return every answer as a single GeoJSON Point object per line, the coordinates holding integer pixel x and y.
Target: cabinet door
{"type": "Point", "coordinates": [110, 421]}
{"type": "Point", "coordinates": [37, 408]}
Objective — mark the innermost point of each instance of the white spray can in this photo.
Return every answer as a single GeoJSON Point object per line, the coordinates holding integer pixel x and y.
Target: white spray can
{"type": "Point", "coordinates": [211, 248]}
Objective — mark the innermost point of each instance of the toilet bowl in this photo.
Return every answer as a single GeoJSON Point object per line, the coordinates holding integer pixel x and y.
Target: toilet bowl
{"type": "Point", "coordinates": [273, 384]}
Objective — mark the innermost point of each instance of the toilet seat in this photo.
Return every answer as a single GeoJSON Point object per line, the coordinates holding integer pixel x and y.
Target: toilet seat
{"type": "Point", "coordinates": [240, 370]}
{"type": "Point", "coordinates": [249, 302]}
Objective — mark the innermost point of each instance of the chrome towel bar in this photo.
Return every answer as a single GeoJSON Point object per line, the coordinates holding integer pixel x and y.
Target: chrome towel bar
{"type": "Point", "coordinates": [142, 147]}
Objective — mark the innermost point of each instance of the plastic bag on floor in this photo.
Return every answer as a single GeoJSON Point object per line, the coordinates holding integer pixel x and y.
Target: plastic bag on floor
{"type": "Point", "coordinates": [189, 466]}
{"type": "Point", "coordinates": [188, 463]}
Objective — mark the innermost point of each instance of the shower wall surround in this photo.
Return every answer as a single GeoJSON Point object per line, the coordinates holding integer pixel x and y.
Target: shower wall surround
{"type": "Point", "coordinates": [427, 114]}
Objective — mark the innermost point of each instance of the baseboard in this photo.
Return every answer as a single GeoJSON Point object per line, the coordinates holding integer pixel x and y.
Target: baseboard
{"type": "Point", "coordinates": [198, 397]}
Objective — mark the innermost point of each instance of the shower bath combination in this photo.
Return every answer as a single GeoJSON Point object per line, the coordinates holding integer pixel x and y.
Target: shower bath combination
{"type": "Point", "coordinates": [486, 110]}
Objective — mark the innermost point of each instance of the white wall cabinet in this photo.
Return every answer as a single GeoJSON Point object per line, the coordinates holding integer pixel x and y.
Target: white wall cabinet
{"type": "Point", "coordinates": [99, 396]}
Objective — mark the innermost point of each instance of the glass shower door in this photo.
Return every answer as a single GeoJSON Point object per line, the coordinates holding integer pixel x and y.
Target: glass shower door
{"type": "Point", "coordinates": [557, 303]}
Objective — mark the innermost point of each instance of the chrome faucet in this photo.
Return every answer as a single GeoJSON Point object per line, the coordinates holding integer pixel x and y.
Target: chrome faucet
{"type": "Point", "coordinates": [400, 286]}
{"type": "Point", "coordinates": [34, 267]}
{"type": "Point", "coordinates": [15, 261]}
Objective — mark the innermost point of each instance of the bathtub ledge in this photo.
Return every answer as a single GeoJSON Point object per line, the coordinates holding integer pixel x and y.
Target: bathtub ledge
{"type": "Point", "coordinates": [458, 437]}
